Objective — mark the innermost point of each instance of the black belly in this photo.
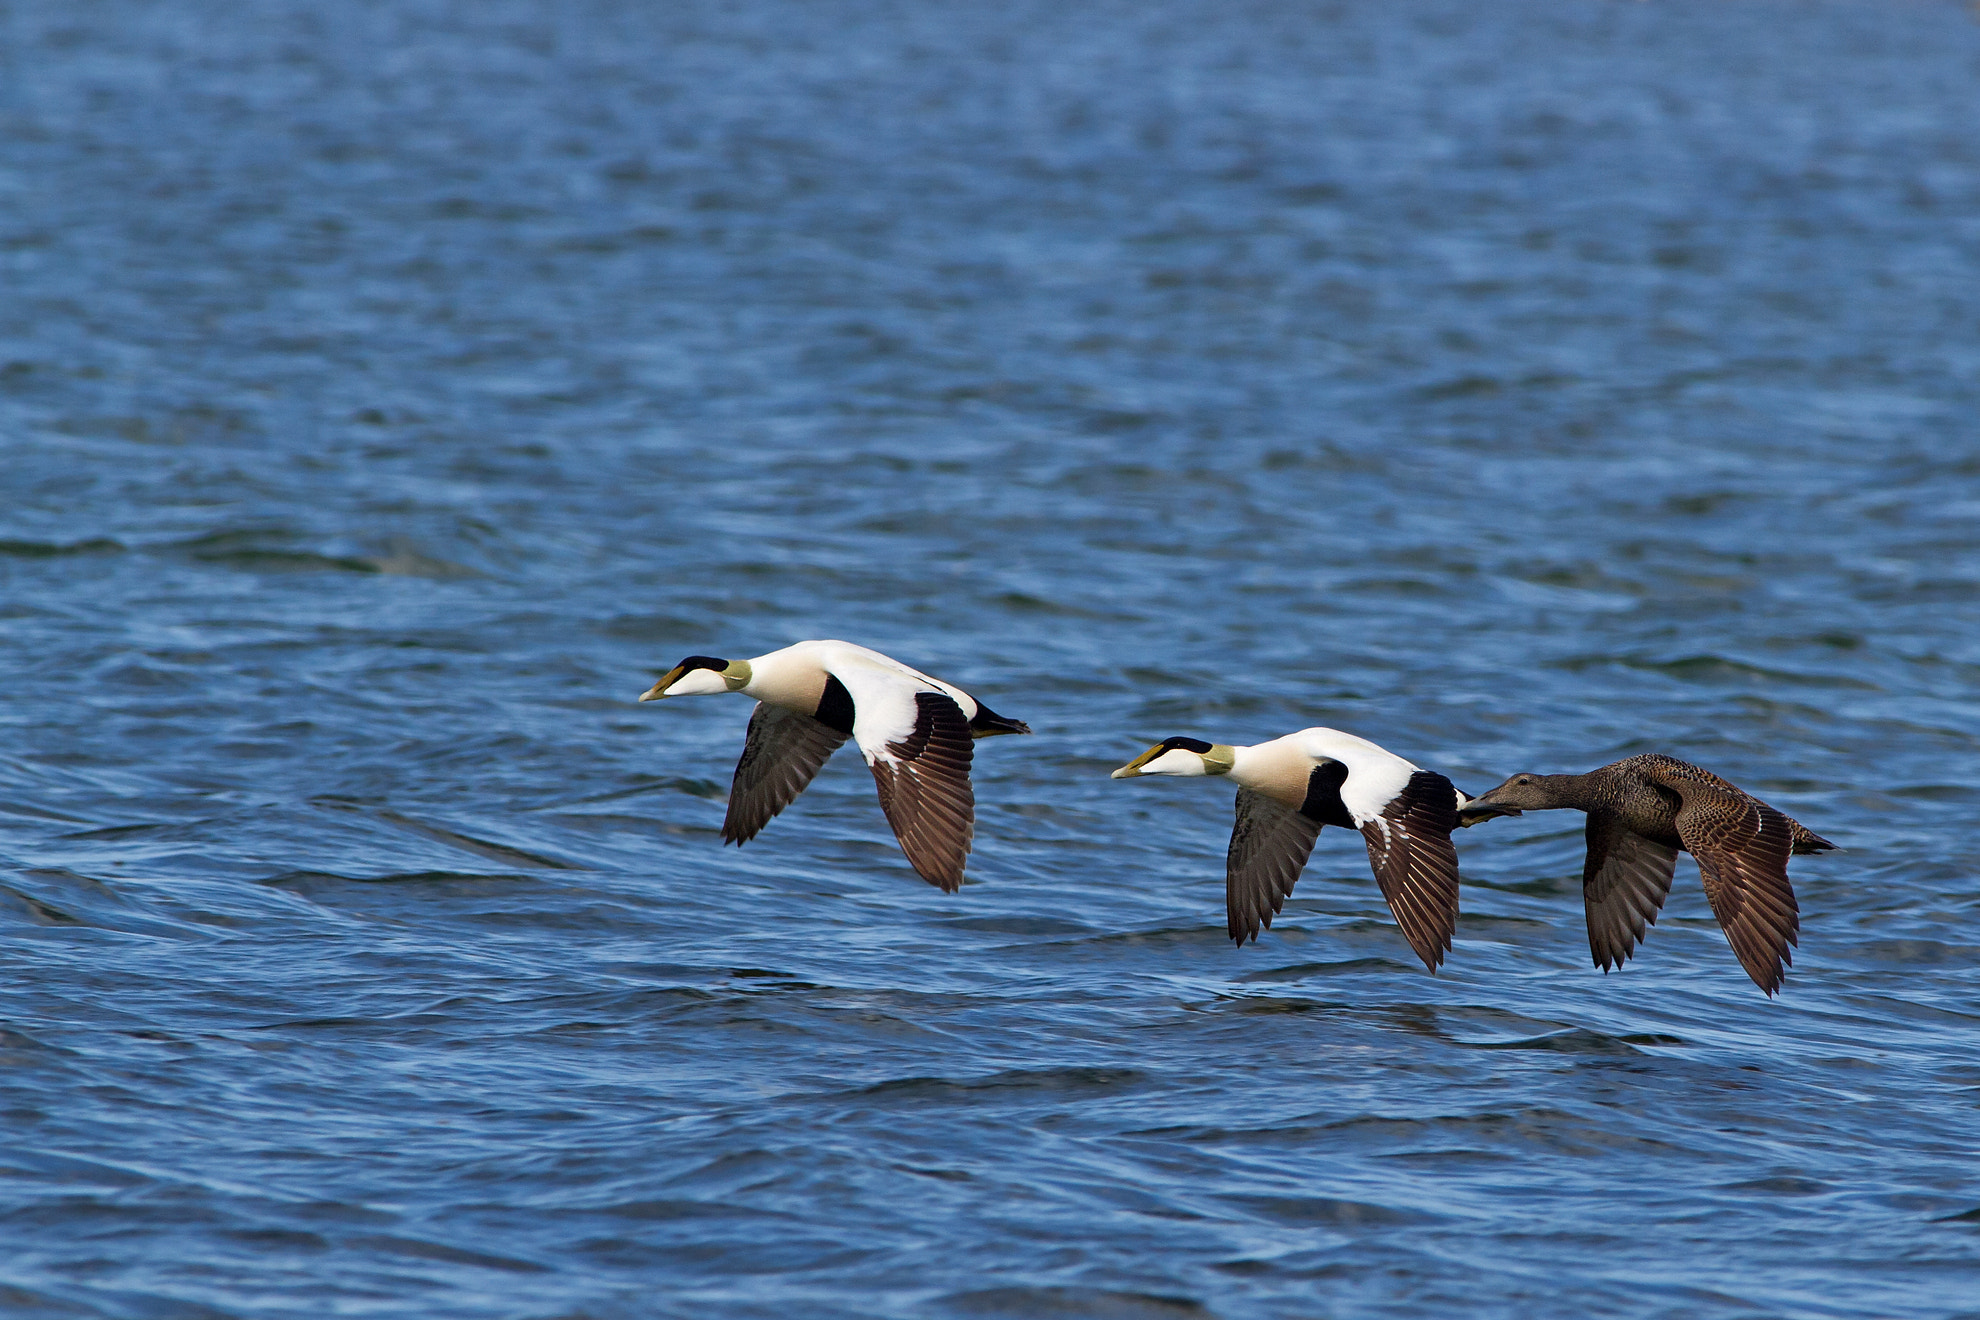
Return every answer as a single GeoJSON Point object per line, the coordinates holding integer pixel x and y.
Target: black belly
{"type": "Point", "coordinates": [1323, 795]}
{"type": "Point", "coordinates": [835, 708]}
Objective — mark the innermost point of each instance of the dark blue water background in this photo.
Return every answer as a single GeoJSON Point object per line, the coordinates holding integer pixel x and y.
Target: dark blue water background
{"type": "Point", "coordinates": [389, 390]}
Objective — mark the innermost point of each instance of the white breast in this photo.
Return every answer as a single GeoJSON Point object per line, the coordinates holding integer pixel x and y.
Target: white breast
{"type": "Point", "coordinates": [793, 678]}
{"type": "Point", "coordinates": [1280, 769]}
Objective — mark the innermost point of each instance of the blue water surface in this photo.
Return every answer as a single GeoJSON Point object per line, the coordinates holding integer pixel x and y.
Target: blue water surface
{"type": "Point", "coordinates": [390, 389]}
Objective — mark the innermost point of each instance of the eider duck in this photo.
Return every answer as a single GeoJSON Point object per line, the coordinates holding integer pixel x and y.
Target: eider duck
{"type": "Point", "coordinates": [1289, 787]}
{"type": "Point", "coordinates": [1643, 812]}
{"type": "Point", "coordinates": [915, 732]}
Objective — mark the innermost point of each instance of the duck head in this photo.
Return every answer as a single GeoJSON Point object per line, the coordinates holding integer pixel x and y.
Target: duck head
{"type": "Point", "coordinates": [1523, 792]}
{"type": "Point", "coordinates": [1188, 757]}
{"type": "Point", "coordinates": [700, 676]}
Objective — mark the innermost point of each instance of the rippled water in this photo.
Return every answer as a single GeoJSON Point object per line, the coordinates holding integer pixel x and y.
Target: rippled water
{"type": "Point", "coordinates": [389, 390]}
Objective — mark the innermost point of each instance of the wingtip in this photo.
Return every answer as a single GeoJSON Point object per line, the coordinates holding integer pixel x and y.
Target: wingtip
{"type": "Point", "coordinates": [948, 884]}
{"type": "Point", "coordinates": [1770, 980]}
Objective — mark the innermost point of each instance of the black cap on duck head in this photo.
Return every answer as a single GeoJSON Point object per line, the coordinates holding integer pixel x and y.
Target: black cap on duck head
{"type": "Point", "coordinates": [732, 674]}
{"type": "Point", "coordinates": [1211, 759]}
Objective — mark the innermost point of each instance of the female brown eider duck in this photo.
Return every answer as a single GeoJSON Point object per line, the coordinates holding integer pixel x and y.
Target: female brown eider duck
{"type": "Point", "coordinates": [915, 732]}
{"type": "Point", "coordinates": [1643, 812]}
{"type": "Point", "coordinates": [1289, 787]}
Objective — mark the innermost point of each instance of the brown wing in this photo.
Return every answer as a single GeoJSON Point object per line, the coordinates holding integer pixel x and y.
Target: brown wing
{"type": "Point", "coordinates": [1409, 846]}
{"type": "Point", "coordinates": [925, 790]}
{"type": "Point", "coordinates": [782, 753]}
{"type": "Point", "coordinates": [1742, 846]}
{"type": "Point", "coordinates": [1270, 843]}
{"type": "Point", "coordinates": [1624, 884]}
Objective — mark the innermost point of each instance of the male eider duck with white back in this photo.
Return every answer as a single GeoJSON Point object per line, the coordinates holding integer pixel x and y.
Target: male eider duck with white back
{"type": "Point", "coordinates": [1645, 810]}
{"type": "Point", "coordinates": [916, 733]}
{"type": "Point", "coordinates": [1289, 787]}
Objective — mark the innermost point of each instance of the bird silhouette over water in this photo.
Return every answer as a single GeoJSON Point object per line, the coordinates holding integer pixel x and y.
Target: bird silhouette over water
{"type": "Point", "coordinates": [1289, 787]}
{"type": "Point", "coordinates": [1644, 811]}
{"type": "Point", "coordinates": [917, 734]}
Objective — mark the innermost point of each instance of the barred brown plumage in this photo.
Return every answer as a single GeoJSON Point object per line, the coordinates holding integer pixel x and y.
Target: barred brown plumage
{"type": "Point", "coordinates": [1643, 811]}
{"type": "Point", "coordinates": [1624, 882]}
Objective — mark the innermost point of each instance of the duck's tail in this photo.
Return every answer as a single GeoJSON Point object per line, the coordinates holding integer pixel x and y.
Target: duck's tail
{"type": "Point", "coordinates": [1808, 841]}
{"type": "Point", "coordinates": [988, 724]}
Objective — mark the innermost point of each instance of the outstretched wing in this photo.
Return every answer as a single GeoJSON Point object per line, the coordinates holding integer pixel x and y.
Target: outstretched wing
{"type": "Point", "coordinates": [1742, 846]}
{"type": "Point", "coordinates": [918, 744]}
{"type": "Point", "coordinates": [1623, 883]}
{"type": "Point", "coordinates": [781, 755]}
{"type": "Point", "coordinates": [1269, 846]}
{"type": "Point", "coordinates": [1409, 847]}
